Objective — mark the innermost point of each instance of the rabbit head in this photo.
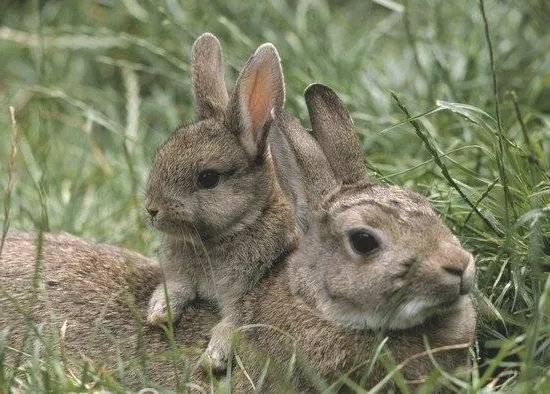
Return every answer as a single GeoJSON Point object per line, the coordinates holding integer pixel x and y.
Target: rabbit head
{"type": "Point", "coordinates": [214, 176]}
{"type": "Point", "coordinates": [373, 256]}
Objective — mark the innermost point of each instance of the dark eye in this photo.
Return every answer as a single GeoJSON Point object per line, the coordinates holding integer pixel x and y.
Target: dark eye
{"type": "Point", "coordinates": [362, 241]}
{"type": "Point", "coordinates": [209, 179]}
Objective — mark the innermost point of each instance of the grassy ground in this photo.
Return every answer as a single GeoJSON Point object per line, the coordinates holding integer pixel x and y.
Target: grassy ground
{"type": "Point", "coordinates": [97, 85]}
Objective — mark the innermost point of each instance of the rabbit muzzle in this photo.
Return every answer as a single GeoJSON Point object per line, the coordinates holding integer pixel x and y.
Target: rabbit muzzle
{"type": "Point", "coordinates": [458, 269]}
{"type": "Point", "coordinates": [446, 289]}
{"type": "Point", "coordinates": [165, 222]}
{"type": "Point", "coordinates": [157, 214]}
{"type": "Point", "coordinates": [468, 278]}
{"type": "Point", "coordinates": [152, 208]}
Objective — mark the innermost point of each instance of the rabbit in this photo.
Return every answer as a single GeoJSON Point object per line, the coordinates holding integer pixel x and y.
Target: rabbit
{"type": "Point", "coordinates": [86, 304]}
{"type": "Point", "coordinates": [375, 261]}
{"type": "Point", "coordinates": [319, 298]}
{"type": "Point", "coordinates": [213, 193]}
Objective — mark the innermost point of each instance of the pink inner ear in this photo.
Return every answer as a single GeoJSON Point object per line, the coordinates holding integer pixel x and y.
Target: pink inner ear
{"type": "Point", "coordinates": [257, 92]}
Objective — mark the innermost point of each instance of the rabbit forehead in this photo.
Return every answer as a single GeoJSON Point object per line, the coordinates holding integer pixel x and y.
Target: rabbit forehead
{"type": "Point", "coordinates": [380, 206]}
{"type": "Point", "coordinates": [204, 145]}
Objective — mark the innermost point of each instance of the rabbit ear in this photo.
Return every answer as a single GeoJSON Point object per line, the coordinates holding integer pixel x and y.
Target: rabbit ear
{"type": "Point", "coordinates": [333, 128]}
{"type": "Point", "coordinates": [302, 169]}
{"type": "Point", "coordinates": [258, 90]}
{"type": "Point", "coordinates": [208, 81]}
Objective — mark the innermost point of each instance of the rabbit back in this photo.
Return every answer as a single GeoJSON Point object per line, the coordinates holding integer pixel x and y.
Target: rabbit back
{"type": "Point", "coordinates": [89, 306]}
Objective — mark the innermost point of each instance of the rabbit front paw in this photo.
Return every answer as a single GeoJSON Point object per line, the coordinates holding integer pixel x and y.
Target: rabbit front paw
{"type": "Point", "coordinates": [158, 308]}
{"type": "Point", "coordinates": [219, 347]}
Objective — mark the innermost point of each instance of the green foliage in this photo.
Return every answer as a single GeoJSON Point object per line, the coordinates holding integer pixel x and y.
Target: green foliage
{"type": "Point", "coordinates": [98, 85]}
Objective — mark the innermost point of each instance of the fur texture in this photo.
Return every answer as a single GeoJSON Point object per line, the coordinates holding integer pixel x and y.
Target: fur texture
{"type": "Point", "coordinates": [320, 314]}
{"type": "Point", "coordinates": [375, 261]}
{"type": "Point", "coordinates": [213, 193]}
{"type": "Point", "coordinates": [93, 300]}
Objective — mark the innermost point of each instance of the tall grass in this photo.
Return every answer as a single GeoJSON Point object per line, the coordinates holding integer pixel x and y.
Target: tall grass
{"type": "Point", "coordinates": [98, 85]}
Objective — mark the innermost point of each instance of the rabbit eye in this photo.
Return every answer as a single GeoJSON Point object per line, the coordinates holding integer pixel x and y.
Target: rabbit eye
{"type": "Point", "coordinates": [362, 241]}
{"type": "Point", "coordinates": [209, 179]}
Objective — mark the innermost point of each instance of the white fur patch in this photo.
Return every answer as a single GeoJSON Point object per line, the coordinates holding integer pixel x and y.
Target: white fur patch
{"type": "Point", "coordinates": [409, 315]}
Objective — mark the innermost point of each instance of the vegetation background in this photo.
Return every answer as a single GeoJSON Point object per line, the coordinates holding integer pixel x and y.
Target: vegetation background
{"type": "Point", "coordinates": [97, 85]}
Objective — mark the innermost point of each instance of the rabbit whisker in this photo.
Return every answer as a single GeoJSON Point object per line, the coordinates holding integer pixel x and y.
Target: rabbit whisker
{"type": "Point", "coordinates": [207, 256]}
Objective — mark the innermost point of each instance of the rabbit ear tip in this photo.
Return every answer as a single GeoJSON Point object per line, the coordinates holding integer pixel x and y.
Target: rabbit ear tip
{"type": "Point", "coordinates": [267, 51]}
{"type": "Point", "coordinates": [205, 38]}
{"type": "Point", "coordinates": [316, 89]}
{"type": "Point", "coordinates": [267, 47]}
{"type": "Point", "coordinates": [312, 87]}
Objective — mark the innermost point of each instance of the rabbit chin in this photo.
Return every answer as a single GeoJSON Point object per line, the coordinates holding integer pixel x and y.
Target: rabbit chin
{"type": "Point", "coordinates": [196, 234]}
{"type": "Point", "coordinates": [416, 312]}
{"type": "Point", "coordinates": [176, 229]}
{"type": "Point", "coordinates": [409, 315]}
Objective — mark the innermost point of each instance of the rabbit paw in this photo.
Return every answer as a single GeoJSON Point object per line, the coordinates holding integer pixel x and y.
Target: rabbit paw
{"type": "Point", "coordinates": [217, 355]}
{"type": "Point", "coordinates": [219, 347]}
{"type": "Point", "coordinates": [158, 311]}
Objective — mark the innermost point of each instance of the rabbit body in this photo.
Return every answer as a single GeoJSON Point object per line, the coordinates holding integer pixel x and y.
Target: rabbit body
{"type": "Point", "coordinates": [375, 262]}
{"type": "Point", "coordinates": [213, 194]}
{"type": "Point", "coordinates": [89, 306]}
{"type": "Point", "coordinates": [217, 243]}
{"type": "Point", "coordinates": [92, 300]}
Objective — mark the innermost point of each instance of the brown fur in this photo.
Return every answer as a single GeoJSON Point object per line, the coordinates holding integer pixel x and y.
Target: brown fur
{"type": "Point", "coordinates": [325, 351]}
{"type": "Point", "coordinates": [338, 302]}
{"type": "Point", "coordinates": [100, 292]}
{"type": "Point", "coordinates": [322, 295]}
{"type": "Point", "coordinates": [217, 242]}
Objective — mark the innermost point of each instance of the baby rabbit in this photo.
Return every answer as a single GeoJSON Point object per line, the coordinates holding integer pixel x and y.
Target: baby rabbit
{"type": "Point", "coordinates": [213, 193]}
{"type": "Point", "coordinates": [375, 259]}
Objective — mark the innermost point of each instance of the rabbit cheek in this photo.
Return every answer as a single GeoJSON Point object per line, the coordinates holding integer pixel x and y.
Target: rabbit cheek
{"type": "Point", "coordinates": [342, 308]}
{"type": "Point", "coordinates": [225, 210]}
{"type": "Point", "coordinates": [411, 314]}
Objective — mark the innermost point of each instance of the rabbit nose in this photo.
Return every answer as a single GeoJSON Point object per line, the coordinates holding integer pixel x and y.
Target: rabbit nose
{"type": "Point", "coordinates": [456, 271]}
{"type": "Point", "coordinates": [152, 212]}
{"type": "Point", "coordinates": [468, 277]}
{"type": "Point", "coordinates": [458, 266]}
{"type": "Point", "coordinates": [457, 261]}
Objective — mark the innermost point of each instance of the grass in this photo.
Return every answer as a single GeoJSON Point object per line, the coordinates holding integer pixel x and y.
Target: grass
{"type": "Point", "coordinates": [449, 98]}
